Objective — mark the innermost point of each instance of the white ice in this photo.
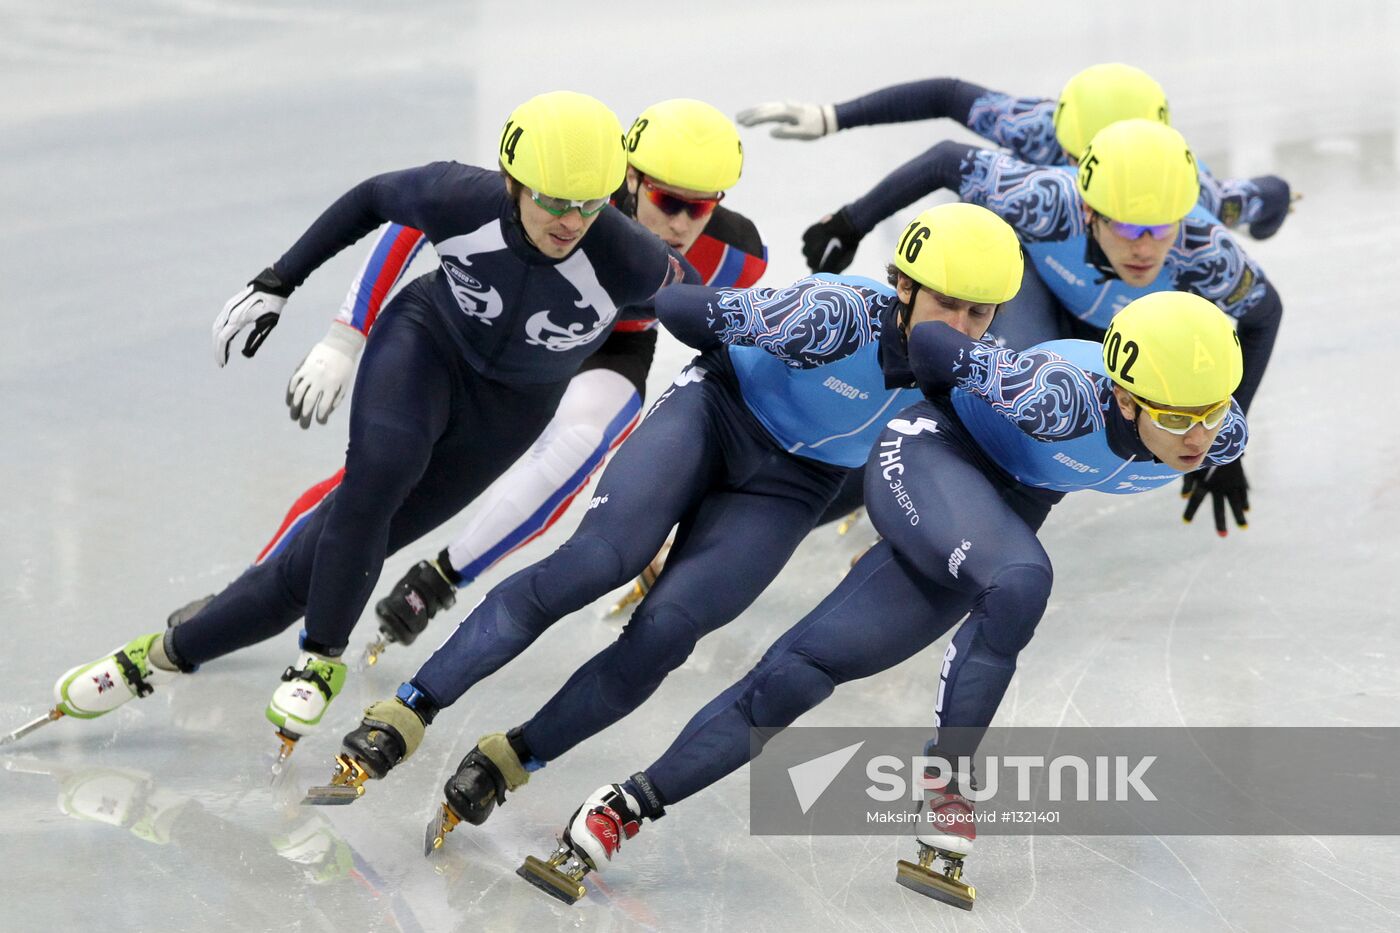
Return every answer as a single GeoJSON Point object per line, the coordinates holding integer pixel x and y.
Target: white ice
{"type": "Point", "coordinates": [158, 153]}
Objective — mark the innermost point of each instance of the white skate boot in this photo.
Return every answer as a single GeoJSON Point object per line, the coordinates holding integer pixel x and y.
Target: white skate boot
{"type": "Point", "coordinates": [299, 704]}
{"type": "Point", "coordinates": [91, 690]}
{"type": "Point", "coordinates": [947, 832]}
{"type": "Point", "coordinates": [308, 687]}
{"type": "Point", "coordinates": [594, 833]}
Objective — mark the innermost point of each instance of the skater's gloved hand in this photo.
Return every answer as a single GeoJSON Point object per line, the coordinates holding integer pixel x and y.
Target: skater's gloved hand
{"type": "Point", "coordinates": [1225, 484]}
{"type": "Point", "coordinates": [829, 245]}
{"type": "Point", "coordinates": [259, 304]}
{"type": "Point", "coordinates": [323, 378]}
{"type": "Point", "coordinates": [1278, 200]}
{"type": "Point", "coordinates": [795, 119]}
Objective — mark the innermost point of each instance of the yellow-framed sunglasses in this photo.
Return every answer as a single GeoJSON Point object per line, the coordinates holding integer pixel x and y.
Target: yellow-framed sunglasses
{"type": "Point", "coordinates": [1180, 422]}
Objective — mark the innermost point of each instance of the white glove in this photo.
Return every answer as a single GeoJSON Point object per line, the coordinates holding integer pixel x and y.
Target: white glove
{"type": "Point", "coordinates": [323, 378]}
{"type": "Point", "coordinates": [255, 304]}
{"type": "Point", "coordinates": [795, 120]}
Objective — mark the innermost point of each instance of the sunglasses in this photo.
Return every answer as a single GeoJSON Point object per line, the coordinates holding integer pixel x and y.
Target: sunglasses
{"type": "Point", "coordinates": [1181, 422]}
{"type": "Point", "coordinates": [561, 206]}
{"type": "Point", "coordinates": [672, 204]}
{"type": "Point", "coordinates": [1135, 231]}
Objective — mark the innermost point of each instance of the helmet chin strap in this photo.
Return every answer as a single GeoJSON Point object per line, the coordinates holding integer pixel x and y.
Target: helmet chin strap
{"type": "Point", "coordinates": [906, 310]}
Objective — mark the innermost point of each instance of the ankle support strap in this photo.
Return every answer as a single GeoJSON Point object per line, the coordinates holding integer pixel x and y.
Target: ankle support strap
{"type": "Point", "coordinates": [132, 674]}
{"type": "Point", "coordinates": [650, 799]}
{"type": "Point", "coordinates": [292, 673]}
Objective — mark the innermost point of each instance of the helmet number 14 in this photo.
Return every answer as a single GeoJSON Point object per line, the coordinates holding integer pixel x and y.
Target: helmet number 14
{"type": "Point", "coordinates": [510, 138]}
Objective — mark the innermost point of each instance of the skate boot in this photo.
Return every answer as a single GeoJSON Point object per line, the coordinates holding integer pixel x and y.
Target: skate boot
{"type": "Point", "coordinates": [188, 611]}
{"type": "Point", "coordinates": [298, 705]}
{"type": "Point", "coordinates": [428, 588]}
{"type": "Point", "coordinates": [91, 690]}
{"type": "Point", "coordinates": [644, 582]}
{"type": "Point", "coordinates": [947, 832]}
{"type": "Point", "coordinates": [390, 733]}
{"type": "Point", "coordinates": [499, 763]}
{"type": "Point", "coordinates": [595, 831]}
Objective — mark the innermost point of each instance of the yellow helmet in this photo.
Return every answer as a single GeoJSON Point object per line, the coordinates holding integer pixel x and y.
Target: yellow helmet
{"type": "Point", "coordinates": [1104, 94]}
{"type": "Point", "coordinates": [964, 251]}
{"type": "Point", "coordinates": [564, 145]}
{"type": "Point", "coordinates": [1175, 349]}
{"type": "Point", "coordinates": [1139, 172]}
{"type": "Point", "coordinates": [687, 144]}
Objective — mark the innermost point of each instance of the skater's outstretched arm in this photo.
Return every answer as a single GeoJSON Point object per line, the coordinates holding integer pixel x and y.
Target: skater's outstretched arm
{"type": "Point", "coordinates": [1215, 266]}
{"type": "Point", "coordinates": [324, 376]}
{"type": "Point", "coordinates": [813, 322]}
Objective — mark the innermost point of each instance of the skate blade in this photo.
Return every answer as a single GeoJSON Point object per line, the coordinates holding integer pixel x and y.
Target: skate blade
{"type": "Point", "coordinates": [347, 784]}
{"type": "Point", "coordinates": [936, 885]}
{"type": "Point", "coordinates": [279, 767]}
{"type": "Point", "coordinates": [330, 795]}
{"type": "Point", "coordinates": [375, 649]}
{"type": "Point", "coordinates": [849, 522]}
{"type": "Point", "coordinates": [634, 595]}
{"type": "Point", "coordinates": [438, 827]}
{"type": "Point", "coordinates": [51, 716]}
{"type": "Point", "coordinates": [551, 881]}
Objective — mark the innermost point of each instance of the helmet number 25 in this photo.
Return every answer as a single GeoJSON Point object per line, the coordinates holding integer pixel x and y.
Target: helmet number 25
{"type": "Point", "coordinates": [1129, 351]}
{"type": "Point", "coordinates": [913, 240]}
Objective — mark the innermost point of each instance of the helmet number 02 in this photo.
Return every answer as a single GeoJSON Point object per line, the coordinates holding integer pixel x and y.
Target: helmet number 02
{"type": "Point", "coordinates": [510, 138]}
{"type": "Point", "coordinates": [913, 240]}
{"type": "Point", "coordinates": [1129, 349]}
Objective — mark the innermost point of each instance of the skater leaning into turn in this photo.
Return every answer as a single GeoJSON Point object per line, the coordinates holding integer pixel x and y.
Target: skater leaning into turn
{"type": "Point", "coordinates": [682, 155]}
{"type": "Point", "coordinates": [465, 369]}
{"type": "Point", "coordinates": [1125, 223]}
{"type": "Point", "coordinates": [744, 452]}
{"type": "Point", "coordinates": [1037, 130]}
{"type": "Point", "coordinates": [973, 472]}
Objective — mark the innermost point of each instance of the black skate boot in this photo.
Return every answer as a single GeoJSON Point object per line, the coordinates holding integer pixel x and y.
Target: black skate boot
{"type": "Point", "coordinates": [495, 766]}
{"type": "Point", "coordinates": [188, 611]}
{"type": "Point", "coordinates": [428, 588]}
{"type": "Point", "coordinates": [389, 733]}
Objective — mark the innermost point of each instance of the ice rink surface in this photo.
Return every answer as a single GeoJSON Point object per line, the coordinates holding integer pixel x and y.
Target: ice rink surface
{"type": "Point", "coordinates": [157, 153]}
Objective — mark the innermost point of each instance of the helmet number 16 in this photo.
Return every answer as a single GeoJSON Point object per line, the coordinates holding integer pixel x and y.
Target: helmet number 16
{"type": "Point", "coordinates": [913, 240]}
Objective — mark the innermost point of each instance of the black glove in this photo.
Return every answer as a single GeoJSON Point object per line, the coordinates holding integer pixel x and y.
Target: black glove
{"type": "Point", "coordinates": [1278, 204]}
{"type": "Point", "coordinates": [830, 244]}
{"type": "Point", "coordinates": [1225, 484]}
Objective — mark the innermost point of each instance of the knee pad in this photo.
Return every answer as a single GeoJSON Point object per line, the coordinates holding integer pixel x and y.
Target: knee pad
{"type": "Point", "coordinates": [655, 642]}
{"type": "Point", "coordinates": [584, 568]}
{"type": "Point", "coordinates": [1013, 605]}
{"type": "Point", "coordinates": [788, 689]}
